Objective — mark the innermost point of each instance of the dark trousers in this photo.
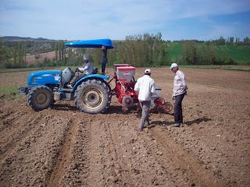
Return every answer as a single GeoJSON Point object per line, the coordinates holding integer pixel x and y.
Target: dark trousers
{"type": "Point", "coordinates": [145, 105]}
{"type": "Point", "coordinates": [104, 60]}
{"type": "Point", "coordinates": [103, 66]}
{"type": "Point", "coordinates": [178, 117]}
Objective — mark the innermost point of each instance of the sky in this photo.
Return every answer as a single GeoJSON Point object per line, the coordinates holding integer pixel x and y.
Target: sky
{"type": "Point", "coordinates": [116, 19]}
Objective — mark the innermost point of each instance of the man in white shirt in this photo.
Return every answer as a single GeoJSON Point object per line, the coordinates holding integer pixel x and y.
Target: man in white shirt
{"type": "Point", "coordinates": [85, 70]}
{"type": "Point", "coordinates": [145, 86]}
{"type": "Point", "coordinates": [88, 67]}
{"type": "Point", "coordinates": [179, 91]}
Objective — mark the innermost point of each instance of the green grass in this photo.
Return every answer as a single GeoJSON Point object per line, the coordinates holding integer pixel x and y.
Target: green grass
{"type": "Point", "coordinates": [9, 92]}
{"type": "Point", "coordinates": [30, 69]}
{"type": "Point", "coordinates": [174, 52]}
{"type": "Point", "coordinates": [18, 70]}
{"type": "Point", "coordinates": [240, 54]}
{"type": "Point", "coordinates": [244, 68]}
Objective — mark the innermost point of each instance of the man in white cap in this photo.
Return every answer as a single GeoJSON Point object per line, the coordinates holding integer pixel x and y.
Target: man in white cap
{"type": "Point", "coordinates": [145, 86]}
{"type": "Point", "coordinates": [179, 91]}
{"type": "Point", "coordinates": [88, 67]}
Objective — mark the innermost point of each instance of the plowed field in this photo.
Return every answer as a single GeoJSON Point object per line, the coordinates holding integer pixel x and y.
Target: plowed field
{"type": "Point", "coordinates": [63, 147]}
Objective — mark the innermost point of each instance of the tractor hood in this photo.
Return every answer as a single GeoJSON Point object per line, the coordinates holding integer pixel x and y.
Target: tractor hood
{"type": "Point", "coordinates": [98, 43]}
{"type": "Point", "coordinates": [44, 77]}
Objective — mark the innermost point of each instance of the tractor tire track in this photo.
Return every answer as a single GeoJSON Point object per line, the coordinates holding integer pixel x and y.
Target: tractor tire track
{"type": "Point", "coordinates": [5, 119]}
{"type": "Point", "coordinates": [106, 156]}
{"type": "Point", "coordinates": [117, 168]}
{"type": "Point", "coordinates": [120, 156]}
{"type": "Point", "coordinates": [36, 150]}
{"type": "Point", "coordinates": [101, 157]}
{"type": "Point", "coordinates": [76, 172]}
{"type": "Point", "coordinates": [63, 159]}
{"type": "Point", "coordinates": [186, 164]}
{"type": "Point", "coordinates": [19, 132]}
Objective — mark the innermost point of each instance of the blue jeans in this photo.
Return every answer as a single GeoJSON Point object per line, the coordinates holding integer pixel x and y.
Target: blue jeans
{"type": "Point", "coordinates": [178, 117]}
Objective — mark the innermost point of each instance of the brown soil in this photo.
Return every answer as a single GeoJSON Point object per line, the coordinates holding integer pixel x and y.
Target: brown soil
{"type": "Point", "coordinates": [64, 147]}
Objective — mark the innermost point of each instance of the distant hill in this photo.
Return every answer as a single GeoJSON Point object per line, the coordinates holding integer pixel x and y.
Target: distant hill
{"type": "Point", "coordinates": [21, 39]}
{"type": "Point", "coordinates": [32, 46]}
{"type": "Point", "coordinates": [42, 49]}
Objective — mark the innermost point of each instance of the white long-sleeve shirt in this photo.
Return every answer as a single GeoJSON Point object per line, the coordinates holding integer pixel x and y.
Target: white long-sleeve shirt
{"type": "Point", "coordinates": [87, 69]}
{"type": "Point", "coordinates": [180, 85]}
{"type": "Point", "coordinates": [145, 86]}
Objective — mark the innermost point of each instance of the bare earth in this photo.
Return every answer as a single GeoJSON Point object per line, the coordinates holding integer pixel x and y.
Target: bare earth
{"type": "Point", "coordinates": [64, 147]}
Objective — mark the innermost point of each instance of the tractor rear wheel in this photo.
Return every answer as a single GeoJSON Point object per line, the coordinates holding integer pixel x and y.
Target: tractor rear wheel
{"type": "Point", "coordinates": [93, 96]}
{"type": "Point", "coordinates": [40, 97]}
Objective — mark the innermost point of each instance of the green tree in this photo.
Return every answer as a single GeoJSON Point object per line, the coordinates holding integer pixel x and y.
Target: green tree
{"type": "Point", "coordinates": [190, 53]}
{"type": "Point", "coordinates": [143, 50]}
{"type": "Point", "coordinates": [246, 41]}
{"type": "Point", "coordinates": [2, 54]}
{"type": "Point", "coordinates": [221, 41]}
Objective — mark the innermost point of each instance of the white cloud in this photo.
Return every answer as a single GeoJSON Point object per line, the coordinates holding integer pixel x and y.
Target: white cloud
{"type": "Point", "coordinates": [78, 19]}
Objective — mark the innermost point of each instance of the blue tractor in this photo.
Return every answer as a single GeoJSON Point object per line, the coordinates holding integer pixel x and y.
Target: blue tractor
{"type": "Point", "coordinates": [92, 93]}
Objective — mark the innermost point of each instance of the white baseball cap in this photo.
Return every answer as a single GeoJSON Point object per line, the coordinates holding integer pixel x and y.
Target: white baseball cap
{"type": "Point", "coordinates": [85, 57]}
{"type": "Point", "coordinates": [147, 71]}
{"type": "Point", "coordinates": [173, 65]}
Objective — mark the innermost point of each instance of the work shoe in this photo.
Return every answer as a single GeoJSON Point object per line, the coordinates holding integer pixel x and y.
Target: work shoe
{"type": "Point", "coordinates": [177, 125]}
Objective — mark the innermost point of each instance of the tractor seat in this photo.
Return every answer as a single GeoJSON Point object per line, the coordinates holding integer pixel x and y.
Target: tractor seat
{"type": "Point", "coordinates": [95, 71]}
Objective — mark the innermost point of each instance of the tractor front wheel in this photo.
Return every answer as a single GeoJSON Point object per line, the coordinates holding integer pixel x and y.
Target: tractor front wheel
{"type": "Point", "coordinates": [40, 97]}
{"type": "Point", "coordinates": [93, 96]}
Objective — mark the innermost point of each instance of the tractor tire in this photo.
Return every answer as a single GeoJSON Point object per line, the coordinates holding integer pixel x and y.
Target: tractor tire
{"type": "Point", "coordinates": [93, 96]}
{"type": "Point", "coordinates": [40, 97]}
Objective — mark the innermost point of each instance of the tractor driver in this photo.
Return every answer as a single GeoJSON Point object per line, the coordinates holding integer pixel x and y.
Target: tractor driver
{"type": "Point", "coordinates": [87, 69]}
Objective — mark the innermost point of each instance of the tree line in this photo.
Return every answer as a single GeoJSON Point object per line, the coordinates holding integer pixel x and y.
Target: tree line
{"type": "Point", "coordinates": [147, 50]}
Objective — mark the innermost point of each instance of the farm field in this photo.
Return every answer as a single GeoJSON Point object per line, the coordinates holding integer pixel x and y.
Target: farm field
{"type": "Point", "coordinates": [240, 54]}
{"type": "Point", "coordinates": [63, 147]}
{"type": "Point", "coordinates": [31, 59]}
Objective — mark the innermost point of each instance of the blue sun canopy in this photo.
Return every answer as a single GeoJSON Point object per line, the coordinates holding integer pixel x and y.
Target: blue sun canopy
{"type": "Point", "coordinates": [98, 43]}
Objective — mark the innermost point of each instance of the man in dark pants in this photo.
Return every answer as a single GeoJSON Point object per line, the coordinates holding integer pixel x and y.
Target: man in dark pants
{"type": "Point", "coordinates": [179, 91]}
{"type": "Point", "coordinates": [178, 117]}
{"type": "Point", "coordinates": [104, 59]}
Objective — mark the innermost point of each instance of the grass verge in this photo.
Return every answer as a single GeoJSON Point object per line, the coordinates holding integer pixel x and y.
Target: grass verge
{"type": "Point", "coordinates": [244, 68]}
{"type": "Point", "coordinates": [9, 93]}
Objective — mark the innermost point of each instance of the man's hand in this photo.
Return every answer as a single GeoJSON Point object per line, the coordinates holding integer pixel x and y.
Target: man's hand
{"type": "Point", "coordinates": [76, 70]}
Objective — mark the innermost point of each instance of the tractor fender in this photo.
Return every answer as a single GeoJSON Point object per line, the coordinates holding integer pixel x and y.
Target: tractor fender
{"type": "Point", "coordinates": [91, 76]}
